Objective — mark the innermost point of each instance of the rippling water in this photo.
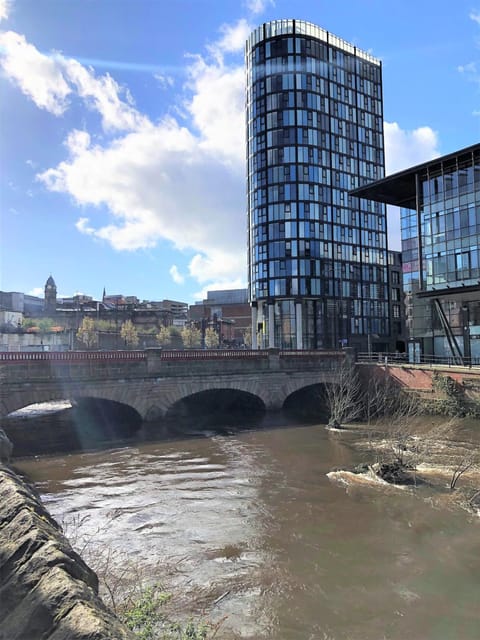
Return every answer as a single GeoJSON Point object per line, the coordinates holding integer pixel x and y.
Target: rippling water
{"type": "Point", "coordinates": [253, 515]}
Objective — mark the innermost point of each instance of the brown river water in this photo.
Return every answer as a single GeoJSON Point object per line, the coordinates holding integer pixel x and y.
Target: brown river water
{"type": "Point", "coordinates": [253, 517]}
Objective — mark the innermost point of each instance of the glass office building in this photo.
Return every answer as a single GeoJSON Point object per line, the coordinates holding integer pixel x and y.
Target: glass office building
{"type": "Point", "coordinates": [440, 222]}
{"type": "Point", "coordinates": [317, 255]}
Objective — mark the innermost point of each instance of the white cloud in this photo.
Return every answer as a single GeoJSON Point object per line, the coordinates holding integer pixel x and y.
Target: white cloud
{"type": "Point", "coordinates": [102, 94]}
{"type": "Point", "coordinates": [82, 225]}
{"type": "Point", "coordinates": [475, 16]}
{"type": "Point", "coordinates": [161, 180]}
{"type": "Point", "coordinates": [470, 68]}
{"type": "Point", "coordinates": [259, 6]}
{"type": "Point", "coordinates": [404, 148]}
{"type": "Point", "coordinates": [217, 108]}
{"type": "Point", "coordinates": [37, 292]}
{"type": "Point", "coordinates": [218, 262]}
{"type": "Point", "coordinates": [38, 76]}
{"type": "Point", "coordinates": [165, 81]}
{"type": "Point", "coordinates": [219, 286]}
{"type": "Point", "coordinates": [233, 37]}
{"type": "Point", "coordinates": [157, 182]}
{"type": "Point", "coordinates": [49, 79]}
{"type": "Point", "coordinates": [176, 275]}
{"type": "Point", "coordinates": [4, 9]}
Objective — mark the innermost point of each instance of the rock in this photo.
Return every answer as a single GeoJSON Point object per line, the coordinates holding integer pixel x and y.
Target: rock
{"type": "Point", "coordinates": [46, 590]}
{"type": "Point", "coordinates": [6, 447]}
{"type": "Point", "coordinates": [393, 472]}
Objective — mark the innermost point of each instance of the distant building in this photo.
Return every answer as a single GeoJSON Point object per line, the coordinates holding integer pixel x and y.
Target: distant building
{"type": "Point", "coordinates": [12, 301]}
{"type": "Point", "coordinates": [398, 331]}
{"type": "Point", "coordinates": [50, 304]}
{"type": "Point", "coordinates": [10, 321]}
{"type": "Point", "coordinates": [228, 312]}
{"type": "Point", "coordinates": [440, 221]}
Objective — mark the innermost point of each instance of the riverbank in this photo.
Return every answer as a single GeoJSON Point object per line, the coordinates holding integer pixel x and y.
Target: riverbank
{"type": "Point", "coordinates": [46, 589]}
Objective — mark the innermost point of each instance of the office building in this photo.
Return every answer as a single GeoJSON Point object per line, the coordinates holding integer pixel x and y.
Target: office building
{"type": "Point", "coordinates": [317, 255]}
{"type": "Point", "coordinates": [398, 334]}
{"type": "Point", "coordinates": [440, 222]}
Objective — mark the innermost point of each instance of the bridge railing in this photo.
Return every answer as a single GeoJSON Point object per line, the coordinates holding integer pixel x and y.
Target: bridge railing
{"type": "Point", "coordinates": [8, 357]}
{"type": "Point", "coordinates": [11, 357]}
{"type": "Point", "coordinates": [402, 358]}
{"type": "Point", "coordinates": [211, 354]}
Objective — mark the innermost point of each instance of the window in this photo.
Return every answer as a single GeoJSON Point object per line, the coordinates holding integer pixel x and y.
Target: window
{"type": "Point", "coordinates": [396, 295]}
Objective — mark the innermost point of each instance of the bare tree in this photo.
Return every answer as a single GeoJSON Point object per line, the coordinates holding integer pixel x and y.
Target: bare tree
{"type": "Point", "coordinates": [462, 466]}
{"type": "Point", "coordinates": [343, 395]}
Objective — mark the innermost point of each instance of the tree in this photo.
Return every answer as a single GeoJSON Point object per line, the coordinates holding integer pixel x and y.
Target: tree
{"type": "Point", "coordinates": [105, 325]}
{"type": "Point", "coordinates": [211, 338]}
{"type": "Point", "coordinates": [191, 337]}
{"type": "Point", "coordinates": [343, 394]}
{"type": "Point", "coordinates": [384, 402]}
{"type": "Point", "coordinates": [129, 333]}
{"type": "Point", "coordinates": [45, 325]}
{"type": "Point", "coordinates": [406, 441]}
{"type": "Point", "coordinates": [87, 333]}
{"type": "Point", "coordinates": [28, 323]}
{"type": "Point", "coordinates": [164, 336]}
{"type": "Point", "coordinates": [42, 325]}
{"type": "Point", "coordinates": [247, 338]}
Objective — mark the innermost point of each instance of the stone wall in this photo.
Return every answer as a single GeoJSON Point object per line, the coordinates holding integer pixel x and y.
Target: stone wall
{"type": "Point", "coordinates": [47, 592]}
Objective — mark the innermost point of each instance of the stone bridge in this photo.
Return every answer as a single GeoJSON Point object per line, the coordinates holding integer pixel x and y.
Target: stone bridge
{"type": "Point", "coordinates": [153, 381]}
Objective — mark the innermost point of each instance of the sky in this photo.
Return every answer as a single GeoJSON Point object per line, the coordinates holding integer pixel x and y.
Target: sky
{"type": "Point", "coordinates": [122, 150]}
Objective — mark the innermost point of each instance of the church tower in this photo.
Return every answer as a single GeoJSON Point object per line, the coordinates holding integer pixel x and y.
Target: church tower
{"type": "Point", "coordinates": [50, 304]}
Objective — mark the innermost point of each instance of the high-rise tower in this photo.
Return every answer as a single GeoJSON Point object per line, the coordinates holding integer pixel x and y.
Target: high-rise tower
{"type": "Point", "coordinates": [317, 255]}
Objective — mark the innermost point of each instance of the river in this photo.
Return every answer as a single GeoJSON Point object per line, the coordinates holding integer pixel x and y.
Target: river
{"type": "Point", "coordinates": [253, 517]}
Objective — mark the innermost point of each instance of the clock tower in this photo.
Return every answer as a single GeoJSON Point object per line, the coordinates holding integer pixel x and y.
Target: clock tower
{"type": "Point", "coordinates": [50, 304]}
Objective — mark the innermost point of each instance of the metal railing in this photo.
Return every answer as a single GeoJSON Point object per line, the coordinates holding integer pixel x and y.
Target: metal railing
{"type": "Point", "coordinates": [69, 356]}
{"type": "Point", "coordinates": [402, 358]}
{"type": "Point", "coordinates": [10, 357]}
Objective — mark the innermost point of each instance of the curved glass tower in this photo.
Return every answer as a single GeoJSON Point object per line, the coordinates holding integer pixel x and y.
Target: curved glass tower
{"type": "Point", "coordinates": [317, 255]}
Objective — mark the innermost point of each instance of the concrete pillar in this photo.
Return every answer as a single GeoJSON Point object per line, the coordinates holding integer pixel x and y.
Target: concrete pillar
{"type": "Point", "coordinates": [299, 324]}
{"type": "Point", "coordinates": [271, 326]}
{"type": "Point", "coordinates": [254, 327]}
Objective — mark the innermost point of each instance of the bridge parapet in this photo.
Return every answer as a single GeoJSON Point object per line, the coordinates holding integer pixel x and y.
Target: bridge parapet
{"type": "Point", "coordinates": [153, 380]}
{"type": "Point", "coordinates": [114, 365]}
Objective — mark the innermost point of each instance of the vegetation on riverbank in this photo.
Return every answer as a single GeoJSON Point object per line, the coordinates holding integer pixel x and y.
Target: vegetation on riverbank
{"type": "Point", "coordinates": [402, 446]}
{"type": "Point", "coordinates": [146, 617]}
{"type": "Point", "coordinates": [151, 610]}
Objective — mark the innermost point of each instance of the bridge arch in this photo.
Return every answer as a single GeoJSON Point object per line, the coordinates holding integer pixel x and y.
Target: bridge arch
{"type": "Point", "coordinates": [218, 405]}
{"type": "Point", "coordinates": [308, 402]}
{"type": "Point", "coordinates": [171, 396]}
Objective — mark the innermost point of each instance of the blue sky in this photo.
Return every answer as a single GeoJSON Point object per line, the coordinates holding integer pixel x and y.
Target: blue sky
{"type": "Point", "coordinates": [122, 130]}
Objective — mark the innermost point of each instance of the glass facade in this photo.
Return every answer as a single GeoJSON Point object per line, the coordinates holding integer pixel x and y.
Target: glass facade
{"type": "Point", "coordinates": [440, 244]}
{"type": "Point", "coordinates": [317, 255]}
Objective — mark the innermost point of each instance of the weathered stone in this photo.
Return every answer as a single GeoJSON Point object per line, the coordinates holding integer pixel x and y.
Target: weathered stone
{"type": "Point", "coordinates": [47, 592]}
{"type": "Point", "coordinates": [6, 447]}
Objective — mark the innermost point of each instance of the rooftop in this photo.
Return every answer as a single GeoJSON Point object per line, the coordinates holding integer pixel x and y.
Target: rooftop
{"type": "Point", "coordinates": [301, 27]}
{"type": "Point", "coordinates": [400, 188]}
